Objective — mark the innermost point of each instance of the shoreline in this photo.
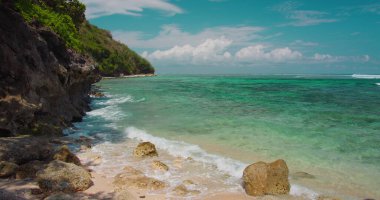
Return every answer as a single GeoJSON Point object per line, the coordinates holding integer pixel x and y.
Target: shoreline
{"type": "Point", "coordinates": [130, 76]}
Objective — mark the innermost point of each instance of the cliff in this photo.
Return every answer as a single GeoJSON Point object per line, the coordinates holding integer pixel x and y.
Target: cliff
{"type": "Point", "coordinates": [43, 84]}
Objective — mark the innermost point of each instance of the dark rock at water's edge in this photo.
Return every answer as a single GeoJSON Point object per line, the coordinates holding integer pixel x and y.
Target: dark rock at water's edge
{"type": "Point", "coordinates": [43, 85]}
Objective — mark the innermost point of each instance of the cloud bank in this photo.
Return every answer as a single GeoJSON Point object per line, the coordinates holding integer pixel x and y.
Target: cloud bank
{"type": "Point", "coordinates": [99, 8]}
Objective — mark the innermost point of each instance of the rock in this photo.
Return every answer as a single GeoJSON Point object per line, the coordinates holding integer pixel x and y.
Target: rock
{"type": "Point", "coordinates": [303, 175]}
{"type": "Point", "coordinates": [30, 169]}
{"type": "Point", "coordinates": [7, 169]}
{"type": "Point", "coordinates": [59, 196]}
{"type": "Point", "coordinates": [160, 166]}
{"type": "Point", "coordinates": [64, 154]}
{"type": "Point", "coordinates": [95, 94]}
{"type": "Point", "coordinates": [63, 177]}
{"type": "Point", "coordinates": [145, 149]}
{"type": "Point", "coordinates": [181, 190]}
{"type": "Point", "coordinates": [132, 178]}
{"type": "Point", "coordinates": [21, 150]}
{"type": "Point", "coordinates": [266, 179]}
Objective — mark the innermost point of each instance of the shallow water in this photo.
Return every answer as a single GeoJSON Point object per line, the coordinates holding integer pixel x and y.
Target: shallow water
{"type": "Point", "coordinates": [328, 126]}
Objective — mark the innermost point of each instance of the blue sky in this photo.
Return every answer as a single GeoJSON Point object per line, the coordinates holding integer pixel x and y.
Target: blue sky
{"type": "Point", "coordinates": [247, 36]}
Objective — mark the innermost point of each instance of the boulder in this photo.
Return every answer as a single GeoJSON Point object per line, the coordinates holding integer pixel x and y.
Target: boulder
{"type": "Point", "coordinates": [7, 169]}
{"type": "Point", "coordinates": [181, 190]}
{"type": "Point", "coordinates": [30, 169]}
{"type": "Point", "coordinates": [63, 177]}
{"type": "Point", "coordinates": [21, 150]}
{"type": "Point", "coordinates": [158, 165]}
{"type": "Point", "coordinates": [145, 149]}
{"type": "Point", "coordinates": [132, 178]}
{"type": "Point", "coordinates": [266, 178]}
{"type": "Point", "coordinates": [64, 154]}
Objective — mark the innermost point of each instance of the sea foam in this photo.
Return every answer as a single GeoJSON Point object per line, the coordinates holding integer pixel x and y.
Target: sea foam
{"type": "Point", "coordinates": [366, 76]}
{"type": "Point", "coordinates": [178, 148]}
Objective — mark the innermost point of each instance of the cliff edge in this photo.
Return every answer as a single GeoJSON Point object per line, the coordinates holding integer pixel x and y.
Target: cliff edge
{"type": "Point", "coordinates": [43, 85]}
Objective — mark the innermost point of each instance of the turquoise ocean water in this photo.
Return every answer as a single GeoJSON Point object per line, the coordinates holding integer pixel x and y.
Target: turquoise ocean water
{"type": "Point", "coordinates": [327, 126]}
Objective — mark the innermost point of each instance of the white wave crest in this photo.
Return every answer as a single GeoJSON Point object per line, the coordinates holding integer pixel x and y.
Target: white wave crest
{"type": "Point", "coordinates": [366, 76]}
{"type": "Point", "coordinates": [177, 148]}
{"type": "Point", "coordinates": [378, 84]}
{"type": "Point", "coordinates": [111, 113]}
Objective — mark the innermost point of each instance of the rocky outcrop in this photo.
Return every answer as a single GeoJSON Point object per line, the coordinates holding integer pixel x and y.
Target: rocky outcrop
{"type": "Point", "coordinates": [7, 169]}
{"type": "Point", "coordinates": [145, 149]}
{"type": "Point", "coordinates": [266, 178]}
{"type": "Point", "coordinates": [43, 85]}
{"type": "Point", "coordinates": [132, 178]}
{"type": "Point", "coordinates": [158, 165]}
{"type": "Point", "coordinates": [64, 154]}
{"type": "Point", "coordinates": [21, 150]}
{"type": "Point", "coordinates": [63, 177]}
{"type": "Point", "coordinates": [30, 169]}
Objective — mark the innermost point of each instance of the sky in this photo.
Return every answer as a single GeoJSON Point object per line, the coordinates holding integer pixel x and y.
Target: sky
{"type": "Point", "coordinates": [246, 36]}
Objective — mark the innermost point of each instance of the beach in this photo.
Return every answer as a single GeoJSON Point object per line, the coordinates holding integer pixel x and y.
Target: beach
{"type": "Point", "coordinates": [223, 139]}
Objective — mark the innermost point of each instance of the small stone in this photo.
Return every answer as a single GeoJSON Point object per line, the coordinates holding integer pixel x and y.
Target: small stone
{"type": "Point", "coordinates": [142, 197]}
{"type": "Point", "coordinates": [145, 149]}
{"type": "Point", "coordinates": [160, 166]}
{"type": "Point", "coordinates": [64, 154]}
{"type": "Point", "coordinates": [181, 190]}
{"type": "Point", "coordinates": [7, 169]}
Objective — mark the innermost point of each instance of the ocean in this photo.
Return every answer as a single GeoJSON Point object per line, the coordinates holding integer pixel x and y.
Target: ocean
{"type": "Point", "coordinates": [326, 126]}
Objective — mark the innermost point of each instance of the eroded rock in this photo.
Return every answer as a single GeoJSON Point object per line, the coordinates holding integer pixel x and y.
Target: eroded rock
{"type": "Point", "coordinates": [64, 154]}
{"type": "Point", "coordinates": [145, 149]}
{"type": "Point", "coordinates": [63, 177]}
{"type": "Point", "coordinates": [266, 178]}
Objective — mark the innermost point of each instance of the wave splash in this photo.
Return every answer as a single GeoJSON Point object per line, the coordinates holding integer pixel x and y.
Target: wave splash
{"type": "Point", "coordinates": [365, 76]}
{"type": "Point", "coordinates": [232, 167]}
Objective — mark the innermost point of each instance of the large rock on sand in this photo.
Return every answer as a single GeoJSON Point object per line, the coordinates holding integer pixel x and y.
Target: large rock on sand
{"type": "Point", "coordinates": [145, 149]}
{"type": "Point", "coordinates": [7, 169]}
{"type": "Point", "coordinates": [64, 154]}
{"type": "Point", "coordinates": [132, 178]}
{"type": "Point", "coordinates": [262, 178]}
{"type": "Point", "coordinates": [63, 177]}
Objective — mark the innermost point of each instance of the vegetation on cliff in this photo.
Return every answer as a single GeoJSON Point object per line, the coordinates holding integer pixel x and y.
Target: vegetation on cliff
{"type": "Point", "coordinates": [67, 19]}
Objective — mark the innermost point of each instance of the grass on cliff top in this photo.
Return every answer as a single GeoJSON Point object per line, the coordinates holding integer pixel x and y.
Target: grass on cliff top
{"type": "Point", "coordinates": [66, 18]}
{"type": "Point", "coordinates": [113, 57]}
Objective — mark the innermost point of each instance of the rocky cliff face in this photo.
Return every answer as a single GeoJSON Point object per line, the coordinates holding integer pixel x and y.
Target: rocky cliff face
{"type": "Point", "coordinates": [43, 85]}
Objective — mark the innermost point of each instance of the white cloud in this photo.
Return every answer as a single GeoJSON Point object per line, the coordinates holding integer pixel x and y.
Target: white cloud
{"type": "Point", "coordinates": [304, 43]}
{"type": "Point", "coordinates": [302, 17]}
{"type": "Point", "coordinates": [260, 53]}
{"type": "Point", "coordinates": [171, 35]}
{"type": "Point", "coordinates": [213, 50]}
{"type": "Point", "coordinates": [330, 58]}
{"type": "Point", "coordinates": [98, 8]}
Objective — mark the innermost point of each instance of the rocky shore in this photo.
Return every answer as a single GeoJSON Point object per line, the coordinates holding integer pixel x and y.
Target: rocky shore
{"type": "Point", "coordinates": [43, 85]}
{"type": "Point", "coordinates": [47, 168]}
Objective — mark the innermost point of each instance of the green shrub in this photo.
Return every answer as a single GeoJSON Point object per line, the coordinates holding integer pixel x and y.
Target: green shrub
{"type": "Point", "coordinates": [62, 24]}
